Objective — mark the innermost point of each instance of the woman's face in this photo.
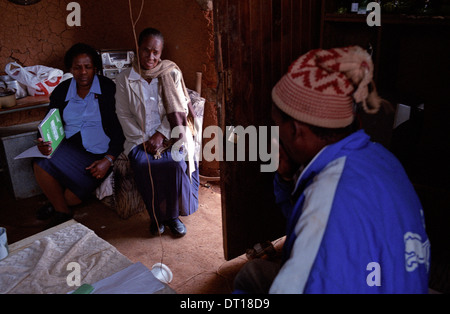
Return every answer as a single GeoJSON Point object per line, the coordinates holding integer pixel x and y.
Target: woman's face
{"type": "Point", "coordinates": [83, 70]}
{"type": "Point", "coordinates": [150, 52]}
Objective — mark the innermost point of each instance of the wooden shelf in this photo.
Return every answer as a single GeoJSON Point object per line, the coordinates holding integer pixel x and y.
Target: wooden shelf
{"type": "Point", "coordinates": [26, 103]}
{"type": "Point", "coordinates": [410, 54]}
{"type": "Point", "coordinates": [27, 109]}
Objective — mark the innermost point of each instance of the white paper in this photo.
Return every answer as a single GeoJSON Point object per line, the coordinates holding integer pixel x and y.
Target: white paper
{"type": "Point", "coordinates": [135, 279]}
{"type": "Point", "coordinates": [3, 244]}
{"type": "Point", "coordinates": [30, 153]}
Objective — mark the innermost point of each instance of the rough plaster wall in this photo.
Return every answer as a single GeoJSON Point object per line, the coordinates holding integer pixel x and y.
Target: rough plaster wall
{"type": "Point", "coordinates": [33, 34]}
{"type": "Point", "coordinates": [39, 34]}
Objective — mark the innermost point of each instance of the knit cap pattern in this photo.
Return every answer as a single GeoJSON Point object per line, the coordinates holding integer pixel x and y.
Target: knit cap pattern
{"type": "Point", "coordinates": [322, 87]}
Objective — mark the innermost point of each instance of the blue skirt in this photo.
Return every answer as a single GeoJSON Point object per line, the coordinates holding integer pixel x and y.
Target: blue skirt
{"type": "Point", "coordinates": [68, 166]}
{"type": "Point", "coordinates": [175, 193]}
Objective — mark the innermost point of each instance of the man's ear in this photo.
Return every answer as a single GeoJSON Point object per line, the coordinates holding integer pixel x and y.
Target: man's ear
{"type": "Point", "coordinates": [298, 129]}
{"type": "Point", "coordinates": [303, 134]}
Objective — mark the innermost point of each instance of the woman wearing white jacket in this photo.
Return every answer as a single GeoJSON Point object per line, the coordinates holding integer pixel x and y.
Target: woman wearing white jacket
{"type": "Point", "coordinates": [152, 101]}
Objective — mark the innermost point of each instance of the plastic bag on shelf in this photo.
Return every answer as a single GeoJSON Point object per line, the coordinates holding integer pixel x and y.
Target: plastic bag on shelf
{"type": "Point", "coordinates": [40, 80]}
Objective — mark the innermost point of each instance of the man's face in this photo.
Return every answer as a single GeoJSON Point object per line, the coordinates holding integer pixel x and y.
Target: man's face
{"type": "Point", "coordinates": [150, 52]}
{"type": "Point", "coordinates": [296, 138]}
{"type": "Point", "coordinates": [285, 129]}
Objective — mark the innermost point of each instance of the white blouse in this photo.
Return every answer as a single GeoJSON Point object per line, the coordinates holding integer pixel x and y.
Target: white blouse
{"type": "Point", "coordinates": [151, 98]}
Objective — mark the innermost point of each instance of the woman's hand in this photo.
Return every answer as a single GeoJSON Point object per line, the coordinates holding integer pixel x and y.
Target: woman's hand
{"type": "Point", "coordinates": [154, 143]}
{"type": "Point", "coordinates": [44, 147]}
{"type": "Point", "coordinates": [99, 168]}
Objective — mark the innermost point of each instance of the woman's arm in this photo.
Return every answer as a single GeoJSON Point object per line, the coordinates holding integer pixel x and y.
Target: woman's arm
{"type": "Point", "coordinates": [134, 133]}
{"type": "Point", "coordinates": [165, 128]}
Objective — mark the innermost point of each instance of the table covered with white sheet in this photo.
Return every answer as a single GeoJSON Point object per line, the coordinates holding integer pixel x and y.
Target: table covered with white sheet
{"type": "Point", "coordinates": [59, 259]}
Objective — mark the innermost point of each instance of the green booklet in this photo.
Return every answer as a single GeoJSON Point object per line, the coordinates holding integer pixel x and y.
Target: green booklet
{"type": "Point", "coordinates": [51, 129]}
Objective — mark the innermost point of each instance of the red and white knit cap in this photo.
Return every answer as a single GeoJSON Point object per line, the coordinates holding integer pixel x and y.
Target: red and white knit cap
{"type": "Point", "coordinates": [322, 86]}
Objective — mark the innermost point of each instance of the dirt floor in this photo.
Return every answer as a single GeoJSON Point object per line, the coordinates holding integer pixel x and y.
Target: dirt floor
{"type": "Point", "coordinates": [196, 260]}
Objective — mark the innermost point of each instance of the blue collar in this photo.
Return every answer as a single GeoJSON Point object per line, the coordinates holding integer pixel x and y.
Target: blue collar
{"type": "Point", "coordinates": [72, 92]}
{"type": "Point", "coordinates": [353, 142]}
{"type": "Point", "coordinates": [329, 153]}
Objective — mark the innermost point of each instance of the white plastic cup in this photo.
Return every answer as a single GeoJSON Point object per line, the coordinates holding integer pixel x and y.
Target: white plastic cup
{"type": "Point", "coordinates": [3, 244]}
{"type": "Point", "coordinates": [162, 273]}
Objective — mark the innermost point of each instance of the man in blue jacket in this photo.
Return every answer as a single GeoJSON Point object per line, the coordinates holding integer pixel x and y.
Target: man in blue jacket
{"type": "Point", "coordinates": [354, 221]}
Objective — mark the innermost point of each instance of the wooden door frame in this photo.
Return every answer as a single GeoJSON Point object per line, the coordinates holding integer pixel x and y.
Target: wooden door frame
{"type": "Point", "coordinates": [256, 41]}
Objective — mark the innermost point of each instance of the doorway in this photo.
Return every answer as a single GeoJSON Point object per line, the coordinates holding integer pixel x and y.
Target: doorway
{"type": "Point", "coordinates": [256, 41]}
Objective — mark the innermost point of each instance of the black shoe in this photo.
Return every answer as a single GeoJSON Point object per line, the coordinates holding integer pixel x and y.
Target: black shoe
{"type": "Point", "coordinates": [177, 227]}
{"type": "Point", "coordinates": [45, 212]}
{"type": "Point", "coordinates": [59, 218]}
{"type": "Point", "coordinates": [154, 228]}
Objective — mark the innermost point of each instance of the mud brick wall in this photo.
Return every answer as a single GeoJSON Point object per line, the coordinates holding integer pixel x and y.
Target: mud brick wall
{"type": "Point", "coordinates": [39, 34]}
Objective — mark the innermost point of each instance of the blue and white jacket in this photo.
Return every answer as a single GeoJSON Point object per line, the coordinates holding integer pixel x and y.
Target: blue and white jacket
{"type": "Point", "coordinates": [354, 224]}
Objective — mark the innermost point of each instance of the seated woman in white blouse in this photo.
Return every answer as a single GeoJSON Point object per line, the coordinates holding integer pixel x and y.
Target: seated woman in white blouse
{"type": "Point", "coordinates": [151, 101]}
